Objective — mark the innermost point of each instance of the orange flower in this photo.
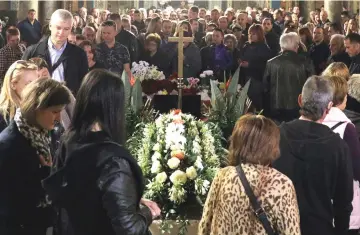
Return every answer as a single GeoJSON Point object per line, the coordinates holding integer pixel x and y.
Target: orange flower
{"type": "Point", "coordinates": [177, 111]}
{"type": "Point", "coordinates": [178, 154]}
{"type": "Point", "coordinates": [132, 81]}
{"type": "Point", "coordinates": [228, 83]}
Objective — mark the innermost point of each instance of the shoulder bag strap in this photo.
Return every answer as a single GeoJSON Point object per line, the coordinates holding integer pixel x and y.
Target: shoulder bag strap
{"type": "Point", "coordinates": [258, 210]}
{"type": "Point", "coordinates": [336, 125]}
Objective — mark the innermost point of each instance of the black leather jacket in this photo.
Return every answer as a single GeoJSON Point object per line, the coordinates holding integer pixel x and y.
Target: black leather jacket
{"type": "Point", "coordinates": [284, 78]}
{"type": "Point", "coordinates": [106, 186]}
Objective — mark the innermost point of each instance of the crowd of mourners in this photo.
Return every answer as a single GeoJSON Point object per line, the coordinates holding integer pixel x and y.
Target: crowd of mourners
{"type": "Point", "coordinates": [62, 111]}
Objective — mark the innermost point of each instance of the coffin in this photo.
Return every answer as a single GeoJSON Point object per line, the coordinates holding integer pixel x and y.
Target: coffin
{"type": "Point", "coordinates": [190, 104]}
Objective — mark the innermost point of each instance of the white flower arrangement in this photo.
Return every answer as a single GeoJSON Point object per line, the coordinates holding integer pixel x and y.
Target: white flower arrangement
{"type": "Point", "coordinates": [179, 157]}
{"type": "Point", "coordinates": [143, 71]}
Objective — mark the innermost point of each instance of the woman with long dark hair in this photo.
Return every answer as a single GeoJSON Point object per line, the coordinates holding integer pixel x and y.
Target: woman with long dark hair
{"type": "Point", "coordinates": [104, 182]}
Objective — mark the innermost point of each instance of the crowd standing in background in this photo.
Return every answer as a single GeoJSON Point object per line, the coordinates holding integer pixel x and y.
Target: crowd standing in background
{"type": "Point", "coordinates": [305, 172]}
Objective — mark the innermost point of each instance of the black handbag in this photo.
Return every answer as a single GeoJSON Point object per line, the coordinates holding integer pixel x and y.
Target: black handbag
{"type": "Point", "coordinates": [258, 210]}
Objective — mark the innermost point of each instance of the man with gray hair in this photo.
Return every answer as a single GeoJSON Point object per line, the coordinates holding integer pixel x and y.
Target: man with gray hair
{"type": "Point", "coordinates": [337, 50]}
{"type": "Point", "coordinates": [318, 162]}
{"type": "Point", "coordinates": [67, 62]}
{"type": "Point", "coordinates": [284, 77]}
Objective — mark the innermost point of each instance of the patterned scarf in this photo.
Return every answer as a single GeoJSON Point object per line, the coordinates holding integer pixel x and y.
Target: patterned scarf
{"type": "Point", "coordinates": [39, 138]}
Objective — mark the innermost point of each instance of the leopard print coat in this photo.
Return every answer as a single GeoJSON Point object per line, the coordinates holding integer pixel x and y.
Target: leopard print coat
{"type": "Point", "coordinates": [228, 211]}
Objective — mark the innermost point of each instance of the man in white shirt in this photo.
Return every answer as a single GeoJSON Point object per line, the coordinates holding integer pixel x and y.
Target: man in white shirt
{"type": "Point", "coordinates": [67, 62]}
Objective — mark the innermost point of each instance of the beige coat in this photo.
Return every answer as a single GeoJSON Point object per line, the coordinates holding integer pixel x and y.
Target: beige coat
{"type": "Point", "coordinates": [228, 211]}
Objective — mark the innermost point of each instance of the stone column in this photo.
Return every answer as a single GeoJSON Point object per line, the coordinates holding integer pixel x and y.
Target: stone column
{"type": "Point", "coordinates": [100, 4]}
{"type": "Point", "coordinates": [334, 9]}
{"type": "Point", "coordinates": [355, 6]}
{"type": "Point", "coordinates": [213, 4]}
{"type": "Point", "coordinates": [46, 8]}
{"type": "Point", "coordinates": [114, 6]}
{"type": "Point", "coordinates": [25, 6]}
{"type": "Point", "coordinates": [68, 5]}
{"type": "Point", "coordinates": [239, 5]}
{"type": "Point", "coordinates": [305, 8]}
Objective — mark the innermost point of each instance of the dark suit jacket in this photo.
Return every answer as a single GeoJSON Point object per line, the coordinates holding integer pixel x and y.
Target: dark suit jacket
{"type": "Point", "coordinates": [355, 65]}
{"type": "Point", "coordinates": [129, 40]}
{"type": "Point", "coordinates": [74, 62]}
{"type": "Point", "coordinates": [20, 185]}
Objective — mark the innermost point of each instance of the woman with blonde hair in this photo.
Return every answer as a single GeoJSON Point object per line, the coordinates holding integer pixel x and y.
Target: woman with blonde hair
{"type": "Point", "coordinates": [19, 74]}
{"type": "Point", "coordinates": [254, 145]}
{"type": "Point", "coordinates": [338, 122]}
{"type": "Point", "coordinates": [337, 69]}
{"type": "Point", "coordinates": [352, 27]}
{"type": "Point", "coordinates": [353, 99]}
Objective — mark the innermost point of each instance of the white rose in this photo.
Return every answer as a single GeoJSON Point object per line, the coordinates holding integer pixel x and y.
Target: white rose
{"type": "Point", "coordinates": [156, 147]}
{"type": "Point", "coordinates": [191, 173]}
{"type": "Point", "coordinates": [173, 163]}
{"type": "Point", "coordinates": [156, 167]}
{"type": "Point", "coordinates": [208, 72]}
{"type": "Point", "coordinates": [178, 177]}
{"type": "Point", "coordinates": [202, 75]}
{"type": "Point", "coordinates": [161, 177]}
{"type": "Point", "coordinates": [156, 156]}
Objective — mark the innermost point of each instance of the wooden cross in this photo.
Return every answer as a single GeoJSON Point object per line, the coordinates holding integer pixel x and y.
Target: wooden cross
{"type": "Point", "coordinates": [180, 40]}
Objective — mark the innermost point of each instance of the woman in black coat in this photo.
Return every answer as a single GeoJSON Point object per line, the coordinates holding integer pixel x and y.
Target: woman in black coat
{"type": "Point", "coordinates": [154, 55]}
{"type": "Point", "coordinates": [253, 58]}
{"type": "Point", "coordinates": [25, 159]}
{"type": "Point", "coordinates": [104, 183]}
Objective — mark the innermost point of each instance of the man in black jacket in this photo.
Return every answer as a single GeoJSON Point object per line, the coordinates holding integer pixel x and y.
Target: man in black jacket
{"type": "Point", "coordinates": [284, 78]}
{"type": "Point", "coordinates": [317, 161]}
{"type": "Point", "coordinates": [67, 62]}
{"type": "Point", "coordinates": [352, 45]}
{"type": "Point", "coordinates": [30, 29]}
{"type": "Point", "coordinates": [272, 39]}
{"type": "Point", "coordinates": [126, 38]}
{"type": "Point", "coordinates": [319, 50]}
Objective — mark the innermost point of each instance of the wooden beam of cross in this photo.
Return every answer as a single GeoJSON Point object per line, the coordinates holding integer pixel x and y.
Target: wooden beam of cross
{"type": "Point", "coordinates": [180, 40]}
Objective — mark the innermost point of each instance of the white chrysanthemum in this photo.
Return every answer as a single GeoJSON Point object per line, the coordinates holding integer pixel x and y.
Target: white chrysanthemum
{"type": "Point", "coordinates": [161, 177]}
{"type": "Point", "coordinates": [173, 163]}
{"type": "Point", "coordinates": [156, 167]}
{"type": "Point", "coordinates": [178, 177]}
{"type": "Point", "coordinates": [191, 173]}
